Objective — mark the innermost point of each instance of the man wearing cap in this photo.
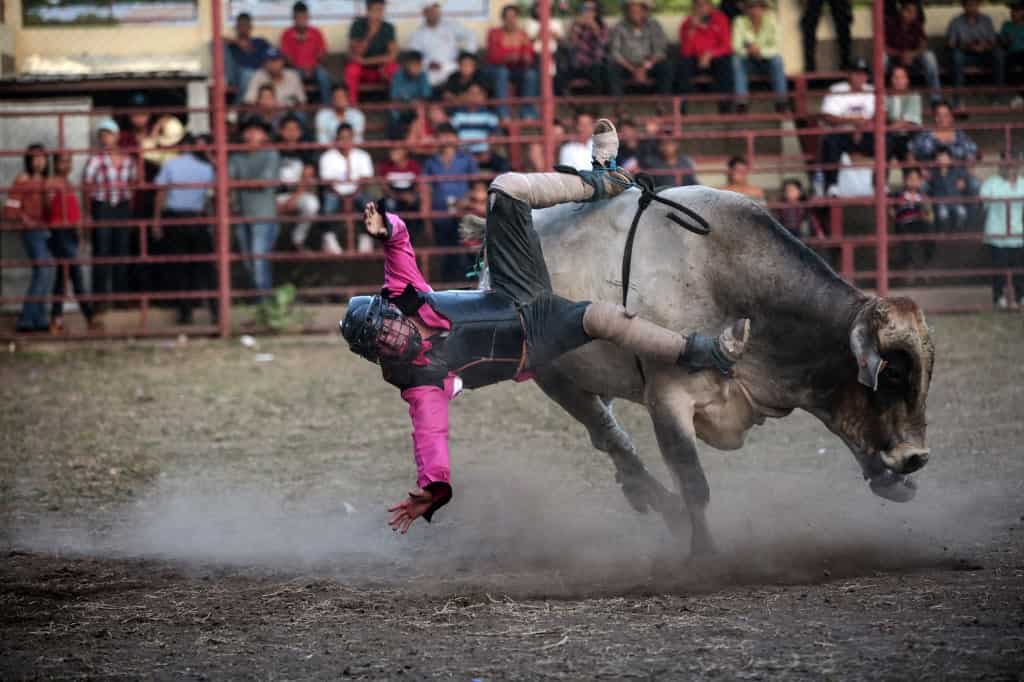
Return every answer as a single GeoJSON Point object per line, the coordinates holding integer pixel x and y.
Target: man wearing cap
{"type": "Point", "coordinates": [108, 179]}
{"type": "Point", "coordinates": [849, 107]}
{"type": "Point", "coordinates": [440, 41]}
{"type": "Point", "coordinates": [755, 47]}
{"type": "Point", "coordinates": [638, 52]}
{"type": "Point", "coordinates": [286, 82]}
{"type": "Point", "coordinates": [305, 48]}
{"type": "Point", "coordinates": [175, 202]}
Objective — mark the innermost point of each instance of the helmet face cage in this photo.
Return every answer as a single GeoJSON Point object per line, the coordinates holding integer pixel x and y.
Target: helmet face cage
{"type": "Point", "coordinates": [379, 332]}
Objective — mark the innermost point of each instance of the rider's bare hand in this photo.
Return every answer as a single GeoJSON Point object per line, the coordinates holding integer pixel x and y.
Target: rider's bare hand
{"type": "Point", "coordinates": [410, 509]}
{"type": "Point", "coordinates": [374, 221]}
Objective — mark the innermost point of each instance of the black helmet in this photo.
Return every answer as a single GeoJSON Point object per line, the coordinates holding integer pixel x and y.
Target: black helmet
{"type": "Point", "coordinates": [378, 331]}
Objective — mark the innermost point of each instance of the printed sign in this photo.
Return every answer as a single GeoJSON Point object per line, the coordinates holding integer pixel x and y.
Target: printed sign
{"type": "Point", "coordinates": [41, 13]}
{"type": "Point", "coordinates": [280, 11]}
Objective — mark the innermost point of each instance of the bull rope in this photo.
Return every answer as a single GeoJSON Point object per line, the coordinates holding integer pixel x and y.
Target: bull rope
{"type": "Point", "coordinates": [648, 194]}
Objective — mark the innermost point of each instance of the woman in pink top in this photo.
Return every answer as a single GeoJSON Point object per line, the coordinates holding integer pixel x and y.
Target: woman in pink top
{"type": "Point", "coordinates": [431, 344]}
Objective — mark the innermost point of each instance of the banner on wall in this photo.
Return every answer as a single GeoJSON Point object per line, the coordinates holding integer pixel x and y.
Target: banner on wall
{"type": "Point", "coordinates": [280, 11]}
{"type": "Point", "coordinates": [42, 13]}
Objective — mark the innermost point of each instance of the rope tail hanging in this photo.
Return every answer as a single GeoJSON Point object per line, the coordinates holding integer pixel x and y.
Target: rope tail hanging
{"type": "Point", "coordinates": [695, 223]}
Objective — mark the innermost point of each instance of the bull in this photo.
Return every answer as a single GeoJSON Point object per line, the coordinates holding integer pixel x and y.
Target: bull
{"type": "Point", "coordinates": [859, 363]}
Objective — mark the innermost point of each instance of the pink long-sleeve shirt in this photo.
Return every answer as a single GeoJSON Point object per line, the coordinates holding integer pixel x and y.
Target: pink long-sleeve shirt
{"type": "Point", "coordinates": [428, 405]}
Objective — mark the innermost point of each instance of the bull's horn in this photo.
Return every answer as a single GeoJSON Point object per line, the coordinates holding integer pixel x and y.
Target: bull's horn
{"type": "Point", "coordinates": [864, 345]}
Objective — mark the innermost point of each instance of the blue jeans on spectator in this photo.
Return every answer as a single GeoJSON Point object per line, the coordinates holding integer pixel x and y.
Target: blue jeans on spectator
{"type": "Point", "coordinates": [741, 66]}
{"type": "Point", "coordinates": [34, 315]}
{"type": "Point", "coordinates": [995, 59]}
{"type": "Point", "coordinates": [64, 244]}
{"type": "Point", "coordinates": [237, 76]}
{"type": "Point", "coordinates": [258, 239]}
{"type": "Point", "coordinates": [108, 242]}
{"type": "Point", "coordinates": [527, 82]}
{"type": "Point", "coordinates": [323, 83]}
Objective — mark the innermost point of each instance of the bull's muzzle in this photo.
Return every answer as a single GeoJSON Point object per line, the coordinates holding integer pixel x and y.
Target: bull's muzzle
{"type": "Point", "coordinates": [905, 458]}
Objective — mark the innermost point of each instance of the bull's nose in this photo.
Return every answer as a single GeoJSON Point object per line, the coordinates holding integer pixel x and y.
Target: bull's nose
{"type": "Point", "coordinates": [915, 461]}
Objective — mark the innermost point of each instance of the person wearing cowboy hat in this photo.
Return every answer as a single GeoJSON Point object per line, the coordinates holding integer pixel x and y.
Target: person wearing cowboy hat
{"type": "Point", "coordinates": [638, 52]}
{"type": "Point", "coordinates": [109, 178]}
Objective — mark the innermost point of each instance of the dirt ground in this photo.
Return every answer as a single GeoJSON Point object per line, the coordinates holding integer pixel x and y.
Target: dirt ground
{"type": "Point", "coordinates": [203, 510]}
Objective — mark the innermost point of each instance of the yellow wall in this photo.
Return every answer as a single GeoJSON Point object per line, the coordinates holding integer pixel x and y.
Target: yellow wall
{"type": "Point", "coordinates": [143, 40]}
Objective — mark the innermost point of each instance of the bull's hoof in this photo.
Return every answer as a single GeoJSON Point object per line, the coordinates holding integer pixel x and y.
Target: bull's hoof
{"type": "Point", "coordinates": [893, 487]}
{"type": "Point", "coordinates": [638, 490]}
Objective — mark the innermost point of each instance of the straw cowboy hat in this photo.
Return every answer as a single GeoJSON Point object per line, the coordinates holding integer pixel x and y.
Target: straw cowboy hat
{"type": "Point", "coordinates": [168, 131]}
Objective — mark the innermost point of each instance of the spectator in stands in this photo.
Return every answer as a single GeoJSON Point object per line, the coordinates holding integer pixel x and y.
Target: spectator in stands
{"type": "Point", "coordinates": [903, 112]}
{"type": "Point", "coordinates": [738, 179]}
{"type": "Point", "coordinates": [408, 85]}
{"type": "Point", "coordinates": [906, 45]}
{"type": "Point", "coordinates": [629, 146]}
{"type": "Point", "coordinates": [475, 122]}
{"type": "Point", "coordinates": [511, 58]}
{"type": "Point", "coordinates": [344, 167]}
{"type": "Point", "coordinates": [173, 204]}
{"type": "Point", "coordinates": [288, 88]}
{"type": "Point", "coordinates": [267, 106]}
{"type": "Point", "coordinates": [705, 46]}
{"type": "Point", "coordinates": [578, 152]}
{"type": "Point", "coordinates": [943, 133]}
{"type": "Point", "coordinates": [64, 216]}
{"type": "Point", "coordinates": [259, 204]}
{"type": "Point", "coordinates": [441, 42]}
{"type": "Point", "coordinates": [244, 55]}
{"type": "Point", "coordinates": [468, 72]}
{"type": "Point", "coordinates": [842, 18]}
{"type": "Point", "coordinates": [446, 193]}
{"type": "Point", "coordinates": [1004, 228]}
{"type": "Point", "coordinates": [297, 195]}
{"type": "Point", "coordinates": [910, 214]}
{"type": "Point", "coordinates": [638, 52]}
{"type": "Point", "coordinates": [328, 120]}
{"type": "Point", "coordinates": [401, 194]}
{"type": "Point", "coordinates": [108, 179]}
{"type": "Point", "coordinates": [588, 47]}
{"type": "Point", "coordinates": [489, 161]}
{"type": "Point", "coordinates": [973, 40]}
{"type": "Point", "coordinates": [1012, 35]}
{"type": "Point", "coordinates": [305, 49]}
{"type": "Point", "coordinates": [945, 185]}
{"type": "Point", "coordinates": [372, 50]}
{"type": "Point", "coordinates": [848, 107]}
{"type": "Point", "coordinates": [25, 206]}
{"type": "Point", "coordinates": [755, 48]}
{"type": "Point", "coordinates": [476, 200]}
{"type": "Point", "coordinates": [795, 216]}
{"type": "Point", "coordinates": [668, 166]}
{"type": "Point", "coordinates": [422, 133]}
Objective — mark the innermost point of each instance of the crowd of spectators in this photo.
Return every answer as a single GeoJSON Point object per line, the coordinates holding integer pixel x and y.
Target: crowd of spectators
{"type": "Point", "coordinates": [316, 167]}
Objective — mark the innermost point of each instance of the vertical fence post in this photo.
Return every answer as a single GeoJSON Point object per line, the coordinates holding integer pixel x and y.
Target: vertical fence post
{"type": "Point", "coordinates": [881, 168]}
{"type": "Point", "coordinates": [220, 142]}
{"type": "Point", "coordinates": [546, 85]}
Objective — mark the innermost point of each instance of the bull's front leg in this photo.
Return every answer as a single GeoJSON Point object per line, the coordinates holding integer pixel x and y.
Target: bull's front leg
{"type": "Point", "coordinates": [672, 408]}
{"type": "Point", "coordinates": [642, 490]}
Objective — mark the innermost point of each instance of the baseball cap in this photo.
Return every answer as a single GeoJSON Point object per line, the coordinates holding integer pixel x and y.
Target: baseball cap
{"type": "Point", "coordinates": [860, 64]}
{"type": "Point", "coordinates": [273, 53]}
{"type": "Point", "coordinates": [108, 125]}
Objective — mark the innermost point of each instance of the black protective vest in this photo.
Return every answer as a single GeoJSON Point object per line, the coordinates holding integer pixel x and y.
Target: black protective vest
{"type": "Point", "coordinates": [485, 345]}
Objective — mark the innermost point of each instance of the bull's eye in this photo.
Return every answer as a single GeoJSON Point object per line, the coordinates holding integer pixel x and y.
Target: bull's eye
{"type": "Point", "coordinates": [895, 377]}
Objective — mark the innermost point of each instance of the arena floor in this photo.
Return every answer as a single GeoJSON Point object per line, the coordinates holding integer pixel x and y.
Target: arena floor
{"type": "Point", "coordinates": [201, 510]}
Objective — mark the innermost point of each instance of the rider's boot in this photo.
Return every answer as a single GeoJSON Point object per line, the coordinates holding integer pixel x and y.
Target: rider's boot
{"type": "Point", "coordinates": [541, 190]}
{"type": "Point", "coordinates": [695, 352]}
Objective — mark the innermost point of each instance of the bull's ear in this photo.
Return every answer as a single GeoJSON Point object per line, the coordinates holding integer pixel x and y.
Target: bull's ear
{"type": "Point", "coordinates": [864, 344]}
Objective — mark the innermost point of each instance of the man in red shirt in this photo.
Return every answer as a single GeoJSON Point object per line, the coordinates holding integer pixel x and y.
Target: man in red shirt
{"type": "Point", "coordinates": [705, 45]}
{"type": "Point", "coordinates": [305, 49]}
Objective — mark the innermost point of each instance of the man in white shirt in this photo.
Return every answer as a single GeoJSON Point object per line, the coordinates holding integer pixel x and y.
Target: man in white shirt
{"type": "Point", "coordinates": [440, 41]}
{"type": "Point", "coordinates": [328, 120]}
{"type": "Point", "coordinates": [849, 107]}
{"type": "Point", "coordinates": [343, 167]}
{"type": "Point", "coordinates": [579, 153]}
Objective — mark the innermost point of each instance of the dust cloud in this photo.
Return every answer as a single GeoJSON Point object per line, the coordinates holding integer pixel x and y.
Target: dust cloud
{"type": "Point", "coordinates": [533, 534]}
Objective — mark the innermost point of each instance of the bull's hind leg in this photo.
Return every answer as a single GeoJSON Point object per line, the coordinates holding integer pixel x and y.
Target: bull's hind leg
{"type": "Point", "coordinates": [642, 490]}
{"type": "Point", "coordinates": [672, 410]}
